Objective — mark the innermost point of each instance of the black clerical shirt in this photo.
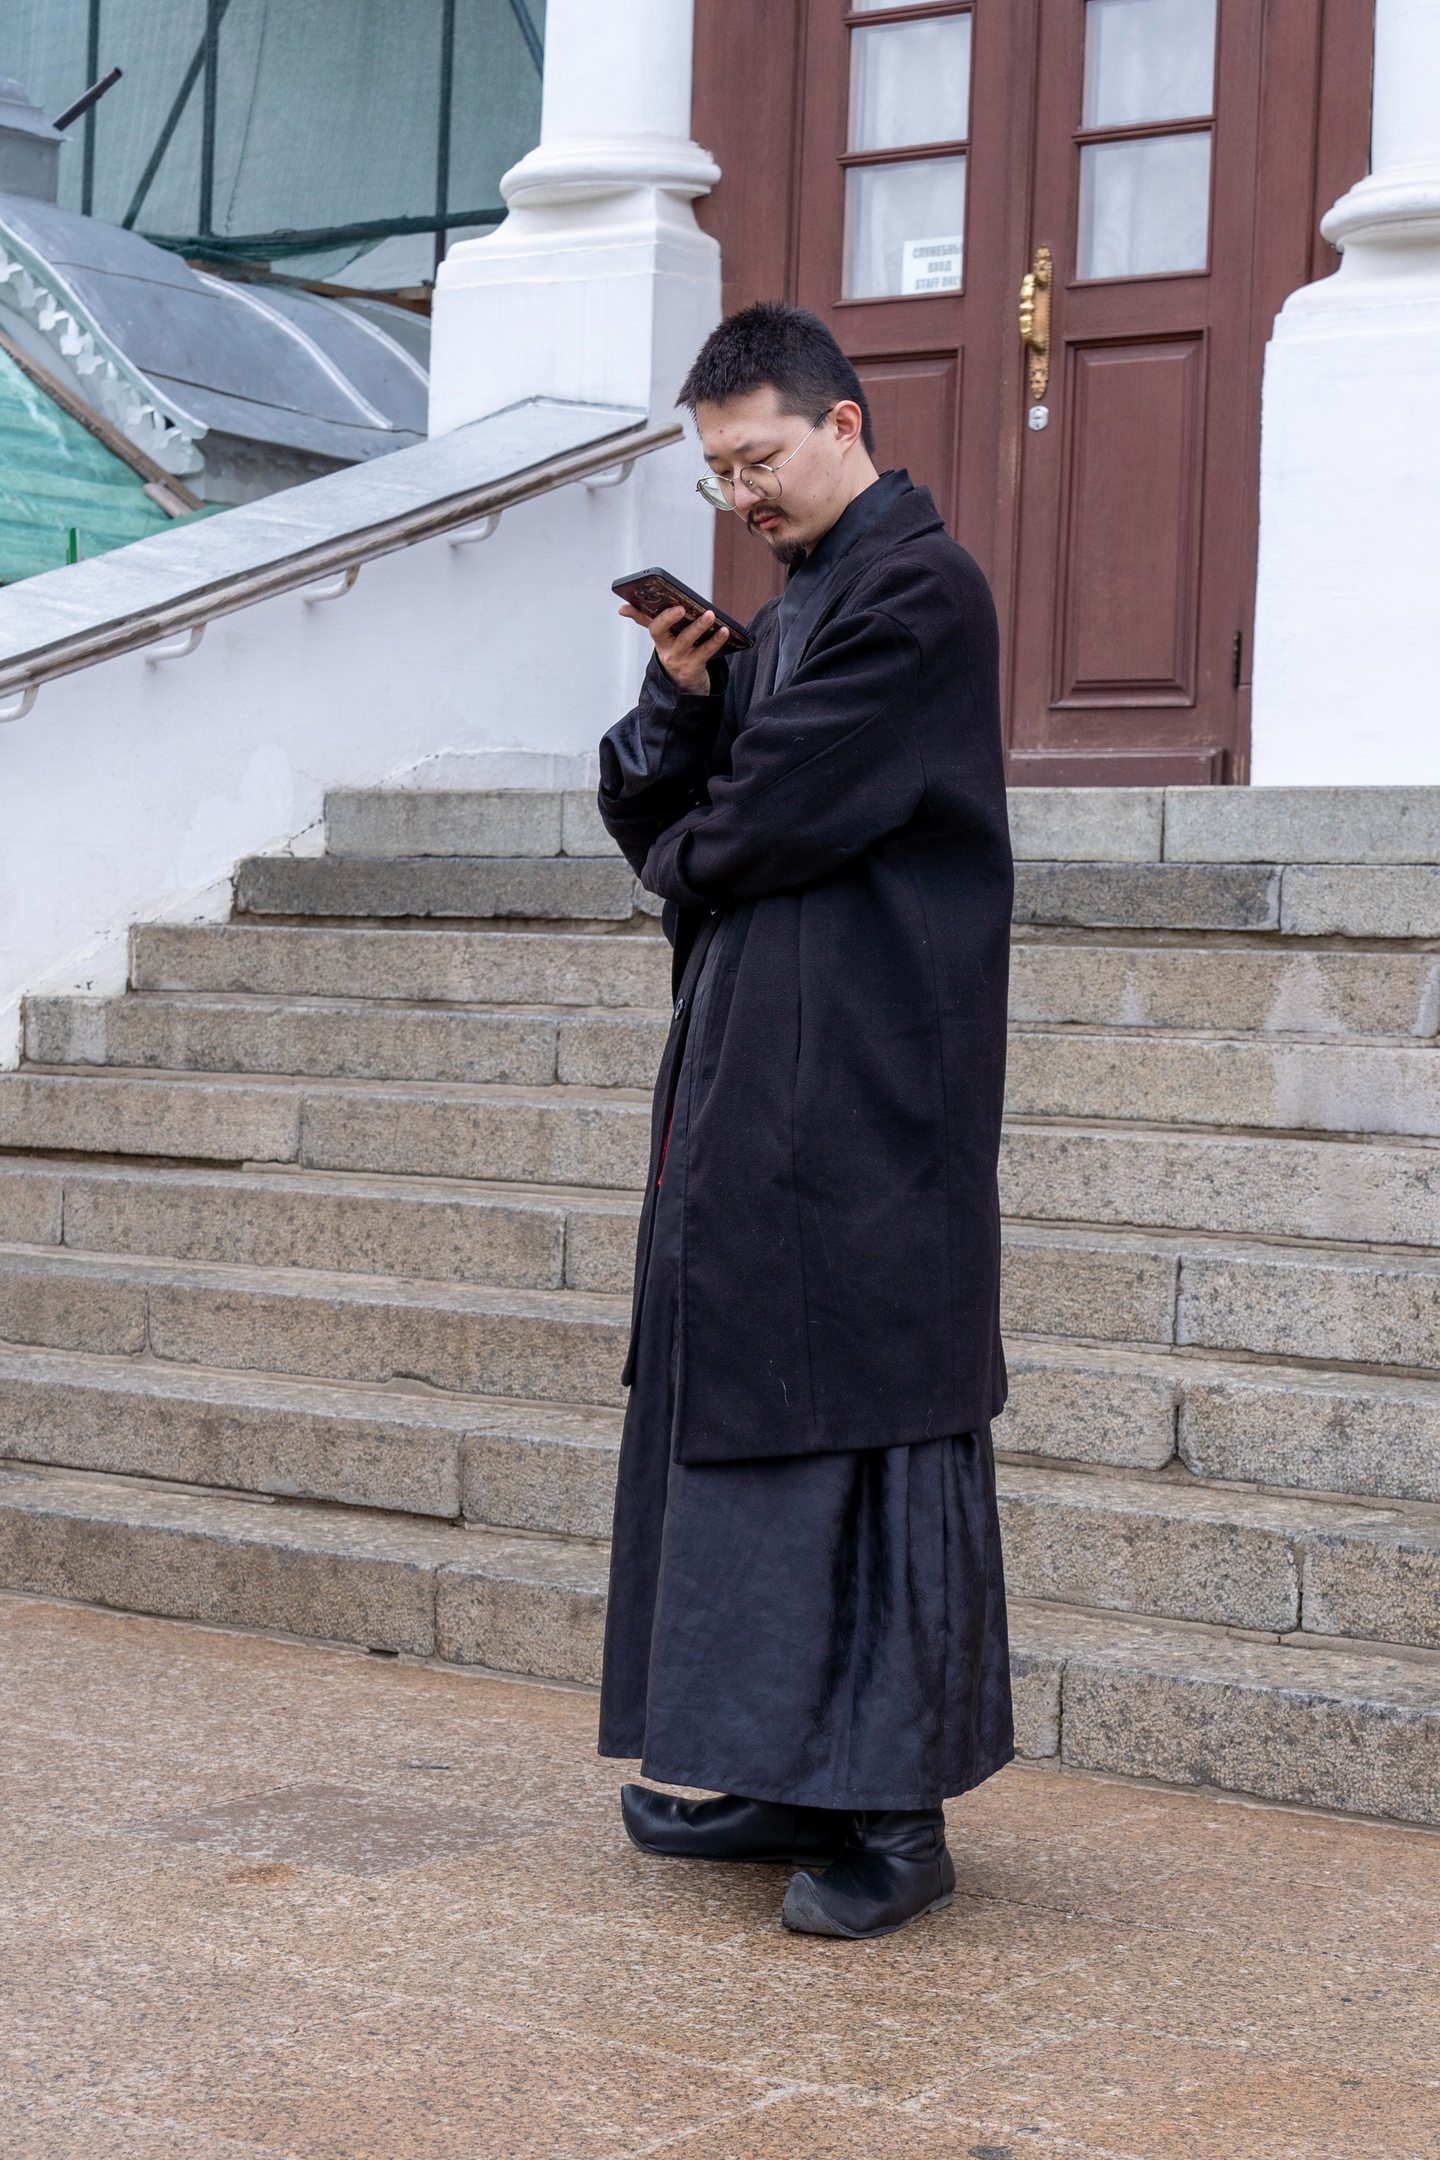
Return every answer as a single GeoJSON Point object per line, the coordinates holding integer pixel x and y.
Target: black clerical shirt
{"type": "Point", "coordinates": [804, 595]}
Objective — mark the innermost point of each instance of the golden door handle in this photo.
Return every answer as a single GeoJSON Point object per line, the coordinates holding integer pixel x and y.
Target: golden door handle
{"type": "Point", "coordinates": [1035, 319]}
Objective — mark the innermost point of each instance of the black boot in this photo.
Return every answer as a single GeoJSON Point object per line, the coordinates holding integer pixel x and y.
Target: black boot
{"type": "Point", "coordinates": [732, 1829]}
{"type": "Point", "coordinates": [894, 1869]}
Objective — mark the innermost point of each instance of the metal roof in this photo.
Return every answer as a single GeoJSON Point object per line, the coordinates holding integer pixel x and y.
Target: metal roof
{"type": "Point", "coordinates": [191, 352]}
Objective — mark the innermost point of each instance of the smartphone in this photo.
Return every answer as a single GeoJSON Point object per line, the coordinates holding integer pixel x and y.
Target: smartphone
{"type": "Point", "coordinates": [652, 591]}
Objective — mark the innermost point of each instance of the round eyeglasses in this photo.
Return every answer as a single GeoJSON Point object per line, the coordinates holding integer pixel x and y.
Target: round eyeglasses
{"type": "Point", "coordinates": [761, 480]}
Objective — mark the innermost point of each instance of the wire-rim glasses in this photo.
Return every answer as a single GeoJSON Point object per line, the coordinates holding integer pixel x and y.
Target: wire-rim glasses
{"type": "Point", "coordinates": [761, 480]}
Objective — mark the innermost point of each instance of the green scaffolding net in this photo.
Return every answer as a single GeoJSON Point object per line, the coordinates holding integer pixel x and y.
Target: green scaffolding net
{"type": "Point", "coordinates": [57, 480]}
{"type": "Point", "coordinates": [306, 133]}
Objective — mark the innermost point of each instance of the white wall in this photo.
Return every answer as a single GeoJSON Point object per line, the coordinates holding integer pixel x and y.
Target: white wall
{"type": "Point", "coordinates": [131, 790]}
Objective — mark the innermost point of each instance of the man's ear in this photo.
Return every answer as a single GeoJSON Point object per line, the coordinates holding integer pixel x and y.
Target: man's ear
{"type": "Point", "coordinates": [849, 422]}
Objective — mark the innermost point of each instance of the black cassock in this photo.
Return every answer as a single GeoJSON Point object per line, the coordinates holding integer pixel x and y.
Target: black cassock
{"type": "Point", "coordinates": [807, 1601]}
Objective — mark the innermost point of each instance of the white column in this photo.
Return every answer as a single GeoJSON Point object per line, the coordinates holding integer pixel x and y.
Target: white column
{"type": "Point", "coordinates": [1346, 680]}
{"type": "Point", "coordinates": [599, 286]}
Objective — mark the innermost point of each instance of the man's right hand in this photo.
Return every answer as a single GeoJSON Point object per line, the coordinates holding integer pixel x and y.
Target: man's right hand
{"type": "Point", "coordinates": [684, 648]}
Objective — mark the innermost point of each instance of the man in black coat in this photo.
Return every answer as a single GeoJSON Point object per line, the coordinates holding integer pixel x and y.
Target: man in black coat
{"type": "Point", "coordinates": [807, 1611]}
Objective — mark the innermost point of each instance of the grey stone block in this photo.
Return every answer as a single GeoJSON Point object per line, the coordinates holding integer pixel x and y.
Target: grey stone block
{"type": "Point", "coordinates": [1345, 901]}
{"type": "Point", "coordinates": [1105, 825]}
{"type": "Point", "coordinates": [611, 1049]}
{"type": "Point", "coordinates": [64, 1303]}
{"type": "Point", "coordinates": [461, 886]}
{"type": "Point", "coordinates": [1321, 1431]}
{"type": "Point", "coordinates": [343, 1575]}
{"type": "Point", "coordinates": [448, 966]}
{"type": "Point", "coordinates": [1339, 1190]}
{"type": "Point", "coordinates": [548, 1137]}
{"type": "Point", "coordinates": [1262, 988]}
{"type": "Point", "coordinates": [329, 1038]}
{"type": "Point", "coordinates": [524, 1605]}
{"type": "Point", "coordinates": [246, 1433]}
{"type": "Point", "coordinates": [1303, 824]}
{"type": "Point", "coordinates": [1382, 1582]}
{"type": "Point", "coordinates": [1158, 1546]}
{"type": "Point", "coordinates": [1337, 1308]}
{"type": "Point", "coordinates": [1072, 1283]}
{"type": "Point", "coordinates": [1095, 1407]}
{"type": "Point", "coordinates": [1148, 896]}
{"type": "Point", "coordinates": [1204, 1080]}
{"type": "Point", "coordinates": [354, 1225]}
{"type": "Point", "coordinates": [1316, 1727]}
{"type": "Point", "coordinates": [583, 831]}
{"type": "Point", "coordinates": [1035, 1677]}
{"type": "Point", "coordinates": [559, 1482]}
{"type": "Point", "coordinates": [215, 1119]}
{"type": "Point", "coordinates": [600, 1247]}
{"type": "Point", "coordinates": [30, 1204]}
{"type": "Point", "coordinates": [458, 821]}
{"type": "Point", "coordinates": [540, 1346]}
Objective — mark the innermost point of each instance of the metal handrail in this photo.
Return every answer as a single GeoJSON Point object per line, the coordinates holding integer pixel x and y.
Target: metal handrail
{"type": "Point", "coordinates": [327, 558]}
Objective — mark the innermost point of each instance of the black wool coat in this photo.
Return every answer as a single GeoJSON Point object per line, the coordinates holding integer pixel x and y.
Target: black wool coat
{"type": "Point", "coordinates": [842, 845]}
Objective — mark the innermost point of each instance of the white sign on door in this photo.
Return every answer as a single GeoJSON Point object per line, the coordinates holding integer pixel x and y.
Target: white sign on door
{"type": "Point", "coordinates": [931, 266]}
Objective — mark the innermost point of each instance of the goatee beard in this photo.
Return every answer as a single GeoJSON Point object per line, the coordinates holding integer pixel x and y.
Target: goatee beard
{"type": "Point", "coordinates": [784, 551]}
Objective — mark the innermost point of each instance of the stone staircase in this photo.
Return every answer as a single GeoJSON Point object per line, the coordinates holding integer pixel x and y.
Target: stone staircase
{"type": "Point", "coordinates": [315, 1254]}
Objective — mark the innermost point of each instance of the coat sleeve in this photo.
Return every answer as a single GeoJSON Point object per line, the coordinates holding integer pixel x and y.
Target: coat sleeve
{"type": "Point", "coordinates": [654, 762]}
{"type": "Point", "coordinates": [821, 771]}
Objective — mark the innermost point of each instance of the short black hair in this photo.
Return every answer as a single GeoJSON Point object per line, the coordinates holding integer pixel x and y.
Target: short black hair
{"type": "Point", "coordinates": [785, 348]}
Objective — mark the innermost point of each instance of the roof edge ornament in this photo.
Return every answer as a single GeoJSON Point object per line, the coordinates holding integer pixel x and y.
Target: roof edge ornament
{"type": "Point", "coordinates": [114, 385]}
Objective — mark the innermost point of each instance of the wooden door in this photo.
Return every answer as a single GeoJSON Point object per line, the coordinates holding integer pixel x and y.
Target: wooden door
{"type": "Point", "coordinates": [900, 169]}
{"type": "Point", "coordinates": [1136, 493]}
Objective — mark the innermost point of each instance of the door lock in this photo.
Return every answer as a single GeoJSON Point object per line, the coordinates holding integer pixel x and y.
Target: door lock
{"type": "Point", "coordinates": [1035, 319]}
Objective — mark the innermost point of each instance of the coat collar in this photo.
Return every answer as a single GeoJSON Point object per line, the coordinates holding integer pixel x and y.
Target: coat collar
{"type": "Point", "coordinates": [910, 517]}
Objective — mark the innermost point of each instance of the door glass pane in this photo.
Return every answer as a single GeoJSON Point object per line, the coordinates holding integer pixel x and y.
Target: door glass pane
{"type": "Point", "coordinates": [1148, 60]}
{"type": "Point", "coordinates": [910, 83]}
{"type": "Point", "coordinates": [904, 227]}
{"type": "Point", "coordinates": [1144, 206]}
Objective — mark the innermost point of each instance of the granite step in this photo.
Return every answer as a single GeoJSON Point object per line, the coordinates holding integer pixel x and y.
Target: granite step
{"type": "Point", "coordinates": [1373, 901]}
{"type": "Point", "coordinates": [1249, 1184]}
{"type": "Point", "coordinates": [1353, 1728]}
{"type": "Point", "coordinates": [472, 1596]}
{"type": "Point", "coordinates": [1148, 895]}
{"type": "Point", "coordinates": [460, 967]}
{"type": "Point", "coordinates": [1300, 1427]}
{"type": "Point", "coordinates": [349, 1038]}
{"type": "Point", "coordinates": [1232, 988]}
{"type": "Point", "coordinates": [437, 1229]}
{"type": "Point", "coordinates": [1330, 1304]}
{"type": "Point", "coordinates": [1164, 1546]}
{"type": "Point", "coordinates": [1299, 900]}
{"type": "Point", "coordinates": [1322, 1303]}
{"type": "Point", "coordinates": [404, 1450]}
{"type": "Point", "coordinates": [554, 1346]}
{"type": "Point", "coordinates": [1169, 1548]}
{"type": "Point", "coordinates": [465, 821]}
{"type": "Point", "coordinates": [1151, 1546]}
{"type": "Point", "coordinates": [1238, 1081]}
{"type": "Point", "coordinates": [469, 887]}
{"type": "Point", "coordinates": [549, 1135]}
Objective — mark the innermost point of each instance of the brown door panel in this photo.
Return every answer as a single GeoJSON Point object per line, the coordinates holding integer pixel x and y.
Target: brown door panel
{"type": "Point", "coordinates": [1129, 526]}
{"type": "Point", "coordinates": [914, 405]}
